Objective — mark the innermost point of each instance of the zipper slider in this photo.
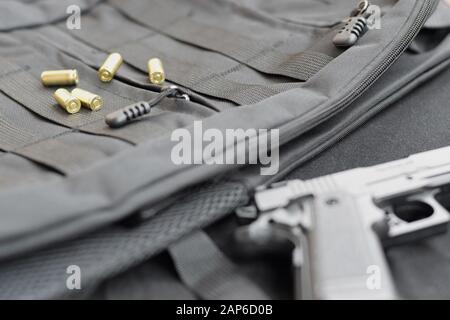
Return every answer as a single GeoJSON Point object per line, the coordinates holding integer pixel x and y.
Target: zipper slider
{"type": "Point", "coordinates": [129, 113]}
{"type": "Point", "coordinates": [355, 26]}
{"type": "Point", "coordinates": [361, 8]}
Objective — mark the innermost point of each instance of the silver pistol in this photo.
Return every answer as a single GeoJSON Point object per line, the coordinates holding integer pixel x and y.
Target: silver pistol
{"type": "Point", "coordinates": [340, 223]}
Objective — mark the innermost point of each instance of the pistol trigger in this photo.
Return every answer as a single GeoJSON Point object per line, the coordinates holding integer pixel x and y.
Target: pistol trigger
{"type": "Point", "coordinates": [381, 228]}
{"type": "Point", "coordinates": [416, 217]}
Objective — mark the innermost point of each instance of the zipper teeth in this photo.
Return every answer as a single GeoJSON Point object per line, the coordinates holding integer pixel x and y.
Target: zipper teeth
{"type": "Point", "coordinates": [393, 55]}
{"type": "Point", "coordinates": [399, 48]}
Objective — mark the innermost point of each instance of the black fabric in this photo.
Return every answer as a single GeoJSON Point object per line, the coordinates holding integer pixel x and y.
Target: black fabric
{"type": "Point", "coordinates": [102, 187]}
{"type": "Point", "coordinates": [23, 14]}
{"type": "Point", "coordinates": [155, 279]}
{"type": "Point", "coordinates": [42, 275]}
{"type": "Point", "coordinates": [142, 175]}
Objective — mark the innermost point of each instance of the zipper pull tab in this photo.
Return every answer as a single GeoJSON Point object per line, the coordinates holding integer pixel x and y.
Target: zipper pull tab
{"type": "Point", "coordinates": [354, 28]}
{"type": "Point", "coordinates": [129, 113]}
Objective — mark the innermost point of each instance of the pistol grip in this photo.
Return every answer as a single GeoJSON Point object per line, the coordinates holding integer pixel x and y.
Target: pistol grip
{"type": "Point", "coordinates": [345, 254]}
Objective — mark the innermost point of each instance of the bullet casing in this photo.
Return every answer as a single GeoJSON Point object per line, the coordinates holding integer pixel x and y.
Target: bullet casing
{"type": "Point", "coordinates": [67, 101]}
{"type": "Point", "coordinates": [59, 77]}
{"type": "Point", "coordinates": [88, 99]}
{"type": "Point", "coordinates": [156, 71]}
{"type": "Point", "coordinates": [109, 68]}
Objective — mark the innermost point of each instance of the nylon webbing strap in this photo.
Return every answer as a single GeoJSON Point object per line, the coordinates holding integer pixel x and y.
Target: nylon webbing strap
{"type": "Point", "coordinates": [166, 18]}
{"type": "Point", "coordinates": [27, 89]}
{"type": "Point", "coordinates": [202, 80]}
{"type": "Point", "coordinates": [150, 280]}
{"type": "Point", "coordinates": [48, 148]}
{"type": "Point", "coordinates": [11, 136]}
{"type": "Point", "coordinates": [67, 158]}
{"type": "Point", "coordinates": [208, 272]}
{"type": "Point", "coordinates": [29, 145]}
{"type": "Point", "coordinates": [65, 150]}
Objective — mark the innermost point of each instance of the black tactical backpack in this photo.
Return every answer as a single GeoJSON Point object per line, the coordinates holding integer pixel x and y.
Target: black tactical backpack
{"type": "Point", "coordinates": [76, 192]}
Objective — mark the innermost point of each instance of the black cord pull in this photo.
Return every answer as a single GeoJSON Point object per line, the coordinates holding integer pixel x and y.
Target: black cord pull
{"type": "Point", "coordinates": [129, 113]}
{"type": "Point", "coordinates": [350, 33]}
{"type": "Point", "coordinates": [355, 26]}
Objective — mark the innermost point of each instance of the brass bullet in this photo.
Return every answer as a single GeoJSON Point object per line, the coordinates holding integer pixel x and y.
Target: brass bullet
{"type": "Point", "coordinates": [156, 71]}
{"type": "Point", "coordinates": [109, 68]}
{"type": "Point", "coordinates": [67, 101]}
{"type": "Point", "coordinates": [59, 77]}
{"type": "Point", "coordinates": [88, 99]}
